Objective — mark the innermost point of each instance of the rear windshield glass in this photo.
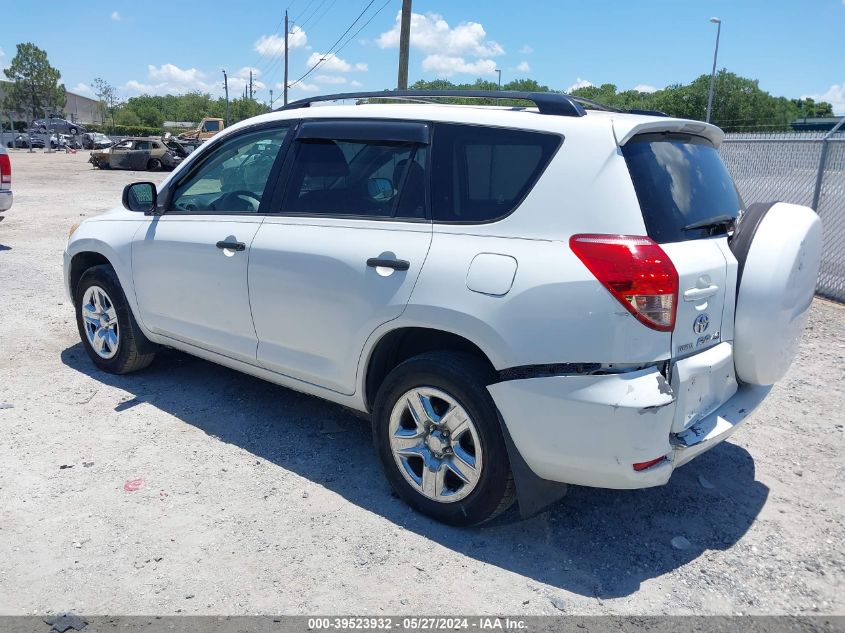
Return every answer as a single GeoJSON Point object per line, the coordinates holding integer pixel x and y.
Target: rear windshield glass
{"type": "Point", "coordinates": [681, 181]}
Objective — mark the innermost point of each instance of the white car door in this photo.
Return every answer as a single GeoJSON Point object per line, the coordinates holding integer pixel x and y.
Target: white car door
{"type": "Point", "coordinates": [190, 263]}
{"type": "Point", "coordinates": [341, 255]}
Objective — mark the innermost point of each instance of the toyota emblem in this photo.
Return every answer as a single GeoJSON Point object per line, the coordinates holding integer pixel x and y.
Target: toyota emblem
{"type": "Point", "coordinates": [699, 326]}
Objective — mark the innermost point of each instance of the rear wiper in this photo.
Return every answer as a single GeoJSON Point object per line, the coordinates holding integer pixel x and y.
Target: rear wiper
{"type": "Point", "coordinates": [720, 221]}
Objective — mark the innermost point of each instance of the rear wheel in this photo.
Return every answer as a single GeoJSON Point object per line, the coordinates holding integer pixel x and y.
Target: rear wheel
{"type": "Point", "coordinates": [437, 434]}
{"type": "Point", "coordinates": [108, 330]}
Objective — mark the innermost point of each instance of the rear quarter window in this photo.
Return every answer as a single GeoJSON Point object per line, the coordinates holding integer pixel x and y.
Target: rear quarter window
{"type": "Point", "coordinates": [481, 174]}
{"type": "Point", "coordinates": [680, 180]}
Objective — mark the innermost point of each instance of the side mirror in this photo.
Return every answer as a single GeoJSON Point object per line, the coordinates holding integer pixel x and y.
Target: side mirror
{"type": "Point", "coordinates": [141, 197]}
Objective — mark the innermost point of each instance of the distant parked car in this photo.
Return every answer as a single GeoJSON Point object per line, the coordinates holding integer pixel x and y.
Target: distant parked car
{"type": "Point", "coordinates": [139, 153]}
{"type": "Point", "coordinates": [5, 181]}
{"type": "Point", "coordinates": [64, 141]}
{"type": "Point", "coordinates": [25, 141]}
{"type": "Point", "coordinates": [62, 126]}
{"type": "Point", "coordinates": [96, 140]}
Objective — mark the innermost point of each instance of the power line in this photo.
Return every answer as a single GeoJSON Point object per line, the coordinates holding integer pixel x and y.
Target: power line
{"type": "Point", "coordinates": [328, 54]}
{"type": "Point", "coordinates": [313, 13]}
{"type": "Point", "coordinates": [322, 15]}
{"type": "Point", "coordinates": [305, 10]}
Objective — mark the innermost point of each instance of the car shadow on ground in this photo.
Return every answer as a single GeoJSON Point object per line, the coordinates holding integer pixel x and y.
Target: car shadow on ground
{"type": "Point", "coordinates": [601, 543]}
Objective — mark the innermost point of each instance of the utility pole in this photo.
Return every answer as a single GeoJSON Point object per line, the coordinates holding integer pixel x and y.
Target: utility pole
{"type": "Point", "coordinates": [286, 62]}
{"type": "Point", "coordinates": [271, 98]}
{"type": "Point", "coordinates": [250, 84]}
{"type": "Point", "coordinates": [226, 88]}
{"type": "Point", "coordinates": [718, 24]}
{"type": "Point", "coordinates": [499, 70]}
{"type": "Point", "coordinates": [404, 44]}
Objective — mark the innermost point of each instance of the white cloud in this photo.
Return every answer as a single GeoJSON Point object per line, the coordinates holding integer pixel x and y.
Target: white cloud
{"type": "Point", "coordinates": [645, 88]}
{"type": "Point", "coordinates": [444, 65]}
{"type": "Point", "coordinates": [835, 96]}
{"type": "Point", "coordinates": [2, 59]}
{"type": "Point", "coordinates": [330, 79]}
{"type": "Point", "coordinates": [357, 84]}
{"type": "Point", "coordinates": [170, 79]}
{"type": "Point", "coordinates": [82, 89]}
{"type": "Point", "coordinates": [527, 50]}
{"type": "Point", "coordinates": [333, 64]}
{"type": "Point", "coordinates": [432, 34]}
{"type": "Point", "coordinates": [579, 83]}
{"type": "Point", "coordinates": [524, 67]}
{"type": "Point", "coordinates": [274, 45]}
{"type": "Point", "coordinates": [116, 16]}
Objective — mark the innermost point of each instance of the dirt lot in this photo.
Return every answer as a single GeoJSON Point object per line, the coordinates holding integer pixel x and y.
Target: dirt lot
{"type": "Point", "coordinates": [255, 499]}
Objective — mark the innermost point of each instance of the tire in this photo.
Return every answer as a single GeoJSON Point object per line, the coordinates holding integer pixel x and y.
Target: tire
{"type": "Point", "coordinates": [154, 164]}
{"type": "Point", "coordinates": [132, 350]}
{"type": "Point", "coordinates": [444, 379]}
{"type": "Point", "coordinates": [73, 130]}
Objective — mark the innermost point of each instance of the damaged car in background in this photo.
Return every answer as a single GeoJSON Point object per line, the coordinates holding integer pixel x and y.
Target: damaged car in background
{"type": "Point", "coordinates": [140, 153]}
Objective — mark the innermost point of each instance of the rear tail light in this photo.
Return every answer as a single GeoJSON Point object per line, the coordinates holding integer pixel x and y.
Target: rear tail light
{"type": "Point", "coordinates": [5, 170]}
{"type": "Point", "coordinates": [636, 271]}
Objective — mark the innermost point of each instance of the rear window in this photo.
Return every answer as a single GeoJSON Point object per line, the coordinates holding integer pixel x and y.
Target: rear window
{"type": "Point", "coordinates": [680, 181]}
{"type": "Point", "coordinates": [481, 174]}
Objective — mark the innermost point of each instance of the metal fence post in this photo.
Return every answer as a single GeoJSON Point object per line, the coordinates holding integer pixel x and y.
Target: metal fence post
{"type": "Point", "coordinates": [817, 192]}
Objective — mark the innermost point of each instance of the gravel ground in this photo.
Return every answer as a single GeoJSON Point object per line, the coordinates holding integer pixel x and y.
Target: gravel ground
{"type": "Point", "coordinates": [254, 499]}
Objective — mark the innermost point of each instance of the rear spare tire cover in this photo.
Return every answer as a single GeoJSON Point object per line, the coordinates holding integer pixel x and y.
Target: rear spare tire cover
{"type": "Point", "coordinates": [778, 268]}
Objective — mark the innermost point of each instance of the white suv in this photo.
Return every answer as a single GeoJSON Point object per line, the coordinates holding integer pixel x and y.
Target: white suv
{"type": "Point", "coordinates": [520, 297]}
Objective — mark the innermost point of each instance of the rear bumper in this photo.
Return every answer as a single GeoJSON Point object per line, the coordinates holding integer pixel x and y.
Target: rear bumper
{"type": "Point", "coordinates": [591, 430]}
{"type": "Point", "coordinates": [5, 200]}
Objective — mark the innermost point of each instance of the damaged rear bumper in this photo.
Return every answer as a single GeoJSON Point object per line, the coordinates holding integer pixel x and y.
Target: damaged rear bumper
{"type": "Point", "coordinates": [590, 430]}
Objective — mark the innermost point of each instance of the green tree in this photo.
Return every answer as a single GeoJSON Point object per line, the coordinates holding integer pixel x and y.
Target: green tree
{"type": "Point", "coordinates": [107, 96]}
{"type": "Point", "coordinates": [35, 90]}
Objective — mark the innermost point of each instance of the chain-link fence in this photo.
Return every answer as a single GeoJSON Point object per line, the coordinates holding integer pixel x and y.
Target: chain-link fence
{"type": "Point", "coordinates": [804, 168]}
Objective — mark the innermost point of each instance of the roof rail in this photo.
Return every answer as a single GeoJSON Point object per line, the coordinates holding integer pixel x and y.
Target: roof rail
{"type": "Point", "coordinates": [546, 102]}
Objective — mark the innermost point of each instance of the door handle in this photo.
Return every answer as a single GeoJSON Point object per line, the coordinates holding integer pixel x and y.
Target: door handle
{"type": "Point", "coordinates": [232, 246]}
{"type": "Point", "coordinates": [694, 294]}
{"type": "Point", "coordinates": [395, 264]}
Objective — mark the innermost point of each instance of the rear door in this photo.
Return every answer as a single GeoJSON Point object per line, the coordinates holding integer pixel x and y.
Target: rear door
{"type": "Point", "coordinates": [342, 252]}
{"type": "Point", "coordinates": [689, 202]}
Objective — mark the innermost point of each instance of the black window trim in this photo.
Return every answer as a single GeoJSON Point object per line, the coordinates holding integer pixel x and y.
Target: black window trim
{"type": "Point", "coordinates": [280, 188]}
{"type": "Point", "coordinates": [165, 202]}
{"type": "Point", "coordinates": [528, 191]}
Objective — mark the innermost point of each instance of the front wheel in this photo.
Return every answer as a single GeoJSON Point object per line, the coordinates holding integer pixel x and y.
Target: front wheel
{"type": "Point", "coordinates": [154, 164]}
{"type": "Point", "coordinates": [108, 330]}
{"type": "Point", "coordinates": [437, 435]}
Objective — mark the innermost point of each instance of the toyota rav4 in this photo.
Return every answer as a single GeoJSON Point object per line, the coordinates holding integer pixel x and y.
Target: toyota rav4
{"type": "Point", "coordinates": [520, 297]}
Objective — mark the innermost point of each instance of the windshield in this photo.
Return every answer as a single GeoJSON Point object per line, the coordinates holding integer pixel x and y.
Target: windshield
{"type": "Point", "coordinates": [681, 182]}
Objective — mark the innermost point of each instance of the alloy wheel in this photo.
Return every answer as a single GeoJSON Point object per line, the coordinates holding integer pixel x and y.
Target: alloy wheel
{"type": "Point", "coordinates": [435, 444]}
{"type": "Point", "coordinates": [100, 320]}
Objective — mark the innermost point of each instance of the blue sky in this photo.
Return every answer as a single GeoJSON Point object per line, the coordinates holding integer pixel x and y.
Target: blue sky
{"type": "Point", "coordinates": [794, 47]}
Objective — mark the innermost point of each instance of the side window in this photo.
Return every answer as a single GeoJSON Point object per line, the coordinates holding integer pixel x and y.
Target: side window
{"type": "Point", "coordinates": [144, 145]}
{"type": "Point", "coordinates": [364, 178]}
{"type": "Point", "coordinates": [232, 177]}
{"type": "Point", "coordinates": [124, 145]}
{"type": "Point", "coordinates": [481, 174]}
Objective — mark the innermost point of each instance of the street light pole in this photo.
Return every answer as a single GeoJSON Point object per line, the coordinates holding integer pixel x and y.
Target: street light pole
{"type": "Point", "coordinates": [718, 24]}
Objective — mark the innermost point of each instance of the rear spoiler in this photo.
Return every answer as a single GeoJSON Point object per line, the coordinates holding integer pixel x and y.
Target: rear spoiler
{"type": "Point", "coordinates": [627, 128]}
